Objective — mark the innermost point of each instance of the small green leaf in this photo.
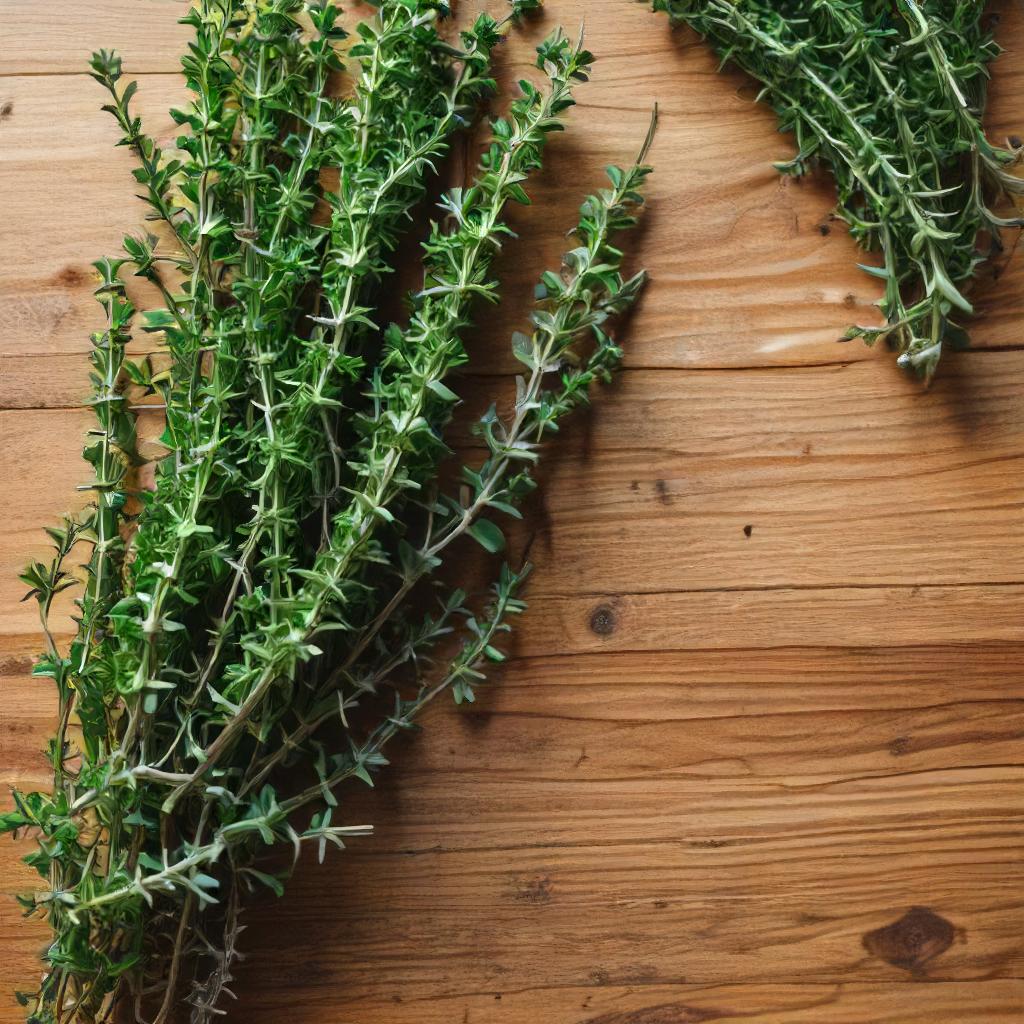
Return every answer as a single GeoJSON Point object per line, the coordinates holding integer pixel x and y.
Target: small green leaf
{"type": "Point", "coordinates": [442, 391]}
{"type": "Point", "coordinates": [488, 535]}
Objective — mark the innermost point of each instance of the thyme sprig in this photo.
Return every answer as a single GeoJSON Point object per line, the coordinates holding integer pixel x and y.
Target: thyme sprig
{"type": "Point", "coordinates": [278, 574]}
{"type": "Point", "coordinates": [890, 97]}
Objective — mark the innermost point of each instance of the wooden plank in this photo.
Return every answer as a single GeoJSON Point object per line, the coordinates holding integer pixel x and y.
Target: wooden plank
{"type": "Point", "coordinates": [144, 32]}
{"type": "Point", "coordinates": [79, 179]}
{"type": "Point", "coordinates": [789, 617]}
{"type": "Point", "coordinates": [827, 838]}
{"type": "Point", "coordinates": [640, 1003]}
{"type": "Point", "coordinates": [806, 460]}
{"type": "Point", "coordinates": [599, 925]}
{"type": "Point", "coordinates": [604, 728]}
{"type": "Point", "coordinates": [657, 877]}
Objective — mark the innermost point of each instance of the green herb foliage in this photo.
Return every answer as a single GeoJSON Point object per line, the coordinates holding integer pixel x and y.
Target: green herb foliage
{"type": "Point", "coordinates": [889, 96]}
{"type": "Point", "coordinates": [236, 614]}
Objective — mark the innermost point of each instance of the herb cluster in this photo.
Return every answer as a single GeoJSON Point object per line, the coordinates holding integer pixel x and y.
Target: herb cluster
{"type": "Point", "coordinates": [252, 630]}
{"type": "Point", "coordinates": [889, 96]}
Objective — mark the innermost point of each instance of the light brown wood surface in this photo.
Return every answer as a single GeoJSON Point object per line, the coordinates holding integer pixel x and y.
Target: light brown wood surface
{"type": "Point", "coordinates": [757, 754]}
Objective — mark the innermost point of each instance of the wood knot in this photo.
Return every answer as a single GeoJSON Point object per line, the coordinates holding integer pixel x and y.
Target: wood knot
{"type": "Point", "coordinates": [918, 937]}
{"type": "Point", "coordinates": [899, 746]}
{"type": "Point", "coordinates": [6, 109]}
{"type": "Point", "coordinates": [602, 621]}
{"type": "Point", "coordinates": [537, 890]}
{"type": "Point", "coordinates": [70, 277]}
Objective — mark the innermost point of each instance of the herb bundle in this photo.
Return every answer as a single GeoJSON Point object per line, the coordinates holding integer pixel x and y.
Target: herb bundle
{"type": "Point", "coordinates": [890, 97]}
{"type": "Point", "coordinates": [253, 630]}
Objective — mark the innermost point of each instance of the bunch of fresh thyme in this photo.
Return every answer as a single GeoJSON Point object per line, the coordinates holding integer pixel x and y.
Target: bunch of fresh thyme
{"type": "Point", "coordinates": [890, 97]}
{"type": "Point", "coordinates": [236, 614]}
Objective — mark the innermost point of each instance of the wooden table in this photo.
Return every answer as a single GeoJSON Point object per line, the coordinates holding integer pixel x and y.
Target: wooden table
{"type": "Point", "coordinates": [757, 754]}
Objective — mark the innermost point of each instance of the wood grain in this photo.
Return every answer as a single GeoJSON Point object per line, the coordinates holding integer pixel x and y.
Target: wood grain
{"type": "Point", "coordinates": [756, 755]}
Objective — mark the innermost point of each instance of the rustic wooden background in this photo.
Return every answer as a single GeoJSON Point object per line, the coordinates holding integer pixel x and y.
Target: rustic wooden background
{"type": "Point", "coordinates": [757, 754]}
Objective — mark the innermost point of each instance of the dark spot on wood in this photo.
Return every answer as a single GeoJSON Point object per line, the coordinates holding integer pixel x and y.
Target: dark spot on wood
{"type": "Point", "coordinates": [918, 937]}
{"type": "Point", "coordinates": [477, 716]}
{"type": "Point", "coordinates": [6, 109]}
{"type": "Point", "coordinates": [664, 495]}
{"type": "Point", "coordinates": [748, 530]}
{"type": "Point", "coordinates": [806, 449]}
{"type": "Point", "coordinates": [824, 229]}
{"type": "Point", "coordinates": [16, 666]}
{"type": "Point", "coordinates": [660, 904]}
{"type": "Point", "coordinates": [602, 621]}
{"type": "Point", "coordinates": [899, 746]}
{"type": "Point", "coordinates": [419, 851]}
{"type": "Point", "coordinates": [497, 997]}
{"type": "Point", "coordinates": [537, 890]}
{"type": "Point", "coordinates": [710, 844]}
{"type": "Point", "coordinates": [805, 918]}
{"type": "Point", "coordinates": [849, 300]}
{"type": "Point", "coordinates": [634, 485]}
{"type": "Point", "coordinates": [663, 1013]}
{"type": "Point", "coordinates": [313, 972]}
{"type": "Point", "coordinates": [70, 277]}
{"type": "Point", "coordinates": [19, 728]}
